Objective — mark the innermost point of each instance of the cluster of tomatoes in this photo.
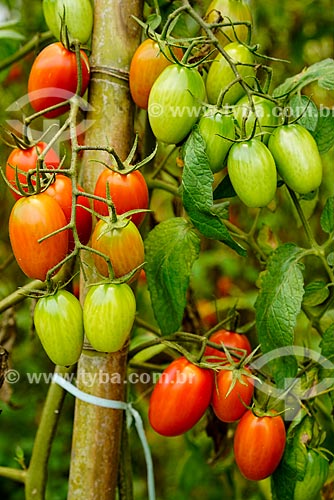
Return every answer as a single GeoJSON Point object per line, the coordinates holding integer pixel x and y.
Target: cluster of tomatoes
{"type": "Point", "coordinates": [185, 391]}
{"type": "Point", "coordinates": [243, 127]}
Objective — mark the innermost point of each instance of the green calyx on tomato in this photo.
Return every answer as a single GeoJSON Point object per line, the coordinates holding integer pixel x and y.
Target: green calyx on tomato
{"type": "Point", "coordinates": [265, 114]}
{"type": "Point", "coordinates": [233, 341]}
{"type": "Point", "coordinates": [32, 219]}
{"type": "Point", "coordinates": [76, 15]}
{"type": "Point", "coordinates": [218, 132]}
{"type": "Point", "coordinates": [252, 171]}
{"type": "Point", "coordinates": [297, 157]}
{"type": "Point", "coordinates": [224, 11]}
{"type": "Point", "coordinates": [221, 79]}
{"type": "Point", "coordinates": [175, 103]}
{"type": "Point", "coordinates": [108, 313]}
{"type": "Point", "coordinates": [180, 397]}
{"type": "Point", "coordinates": [58, 320]}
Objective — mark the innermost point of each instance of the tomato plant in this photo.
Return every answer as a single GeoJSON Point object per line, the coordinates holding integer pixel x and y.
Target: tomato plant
{"type": "Point", "coordinates": [180, 398]}
{"type": "Point", "coordinates": [175, 102]}
{"type": "Point", "coordinates": [221, 76]}
{"type": "Point", "coordinates": [229, 11]}
{"type": "Point", "coordinates": [146, 65]}
{"type": "Point", "coordinates": [31, 219]}
{"type": "Point", "coordinates": [78, 18]}
{"type": "Point", "coordinates": [24, 160]}
{"type": "Point", "coordinates": [128, 191]}
{"type": "Point", "coordinates": [109, 312]}
{"type": "Point", "coordinates": [58, 321]}
{"type": "Point", "coordinates": [316, 473]}
{"type": "Point", "coordinates": [264, 113]}
{"type": "Point", "coordinates": [53, 78]}
{"type": "Point", "coordinates": [252, 172]}
{"type": "Point", "coordinates": [218, 131]}
{"type": "Point", "coordinates": [259, 444]}
{"type": "Point", "coordinates": [229, 339]}
{"type": "Point", "coordinates": [232, 394]}
{"type": "Point", "coordinates": [61, 191]}
{"type": "Point", "coordinates": [297, 157]}
{"type": "Point", "coordinates": [122, 243]}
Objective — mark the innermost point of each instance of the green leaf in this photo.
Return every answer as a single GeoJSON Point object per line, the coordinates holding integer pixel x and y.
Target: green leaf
{"type": "Point", "coordinates": [11, 35]}
{"type": "Point", "coordinates": [303, 107]}
{"type": "Point", "coordinates": [321, 72]}
{"type": "Point", "coordinates": [197, 194]}
{"type": "Point", "coordinates": [327, 216]}
{"type": "Point", "coordinates": [316, 293]}
{"type": "Point", "coordinates": [171, 249]}
{"type": "Point", "coordinates": [324, 133]}
{"type": "Point", "coordinates": [327, 343]}
{"type": "Point", "coordinates": [224, 189]}
{"type": "Point", "coordinates": [278, 304]}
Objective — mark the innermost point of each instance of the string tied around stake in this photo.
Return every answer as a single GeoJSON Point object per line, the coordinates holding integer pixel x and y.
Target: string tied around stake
{"type": "Point", "coordinates": [131, 413]}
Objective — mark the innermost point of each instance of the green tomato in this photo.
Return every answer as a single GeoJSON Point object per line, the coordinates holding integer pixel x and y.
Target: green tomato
{"type": "Point", "coordinates": [316, 473]}
{"type": "Point", "coordinates": [59, 326]}
{"type": "Point", "coordinates": [109, 312]}
{"type": "Point", "coordinates": [221, 75]}
{"type": "Point", "coordinates": [234, 10]}
{"type": "Point", "coordinates": [252, 172]}
{"type": "Point", "coordinates": [175, 103]}
{"type": "Point", "coordinates": [78, 18]}
{"type": "Point", "coordinates": [264, 113]}
{"type": "Point", "coordinates": [297, 157]}
{"type": "Point", "coordinates": [216, 129]}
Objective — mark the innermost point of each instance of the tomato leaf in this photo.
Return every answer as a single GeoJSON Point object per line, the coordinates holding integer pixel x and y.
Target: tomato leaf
{"type": "Point", "coordinates": [321, 72]}
{"type": "Point", "coordinates": [224, 189]}
{"type": "Point", "coordinates": [171, 249]}
{"type": "Point", "coordinates": [324, 133]}
{"type": "Point", "coordinates": [327, 216]}
{"type": "Point", "coordinates": [316, 293]}
{"type": "Point", "coordinates": [303, 108]}
{"type": "Point", "coordinates": [327, 343]}
{"type": "Point", "coordinates": [278, 304]}
{"type": "Point", "coordinates": [197, 194]}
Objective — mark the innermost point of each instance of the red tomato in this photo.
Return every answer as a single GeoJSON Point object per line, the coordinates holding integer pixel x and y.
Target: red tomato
{"type": "Point", "coordinates": [229, 339]}
{"type": "Point", "coordinates": [61, 191]}
{"type": "Point", "coordinates": [123, 245]}
{"type": "Point", "coordinates": [25, 160]}
{"type": "Point", "coordinates": [259, 444]}
{"type": "Point", "coordinates": [229, 407]}
{"type": "Point", "coordinates": [180, 397]}
{"type": "Point", "coordinates": [146, 65]}
{"type": "Point", "coordinates": [127, 191]}
{"type": "Point", "coordinates": [53, 78]}
{"type": "Point", "coordinates": [31, 219]}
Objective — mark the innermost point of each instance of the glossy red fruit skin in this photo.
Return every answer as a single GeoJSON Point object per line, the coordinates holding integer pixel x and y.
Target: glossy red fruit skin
{"type": "Point", "coordinates": [127, 191]}
{"type": "Point", "coordinates": [259, 444]}
{"type": "Point", "coordinates": [180, 398]}
{"type": "Point", "coordinates": [53, 78]}
{"type": "Point", "coordinates": [31, 219]}
{"type": "Point", "coordinates": [230, 340]}
{"type": "Point", "coordinates": [25, 160]}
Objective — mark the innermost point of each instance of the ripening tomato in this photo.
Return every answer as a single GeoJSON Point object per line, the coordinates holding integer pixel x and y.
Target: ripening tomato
{"type": "Point", "coordinates": [259, 444]}
{"type": "Point", "coordinates": [58, 321]}
{"type": "Point", "coordinates": [175, 103]}
{"type": "Point", "coordinates": [252, 172]}
{"type": "Point", "coordinates": [26, 159]}
{"type": "Point", "coordinates": [221, 75]}
{"type": "Point", "coordinates": [218, 132]}
{"type": "Point", "coordinates": [297, 157]}
{"type": "Point", "coordinates": [229, 339]}
{"type": "Point", "coordinates": [31, 219]}
{"type": "Point", "coordinates": [127, 192]}
{"type": "Point", "coordinates": [265, 113]}
{"type": "Point", "coordinates": [61, 191]}
{"type": "Point", "coordinates": [123, 245]}
{"type": "Point", "coordinates": [146, 65]}
{"type": "Point", "coordinates": [53, 78]}
{"type": "Point", "coordinates": [180, 397]}
{"type": "Point", "coordinates": [229, 401]}
{"type": "Point", "coordinates": [109, 312]}
{"type": "Point", "coordinates": [78, 18]}
{"type": "Point", "coordinates": [234, 10]}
